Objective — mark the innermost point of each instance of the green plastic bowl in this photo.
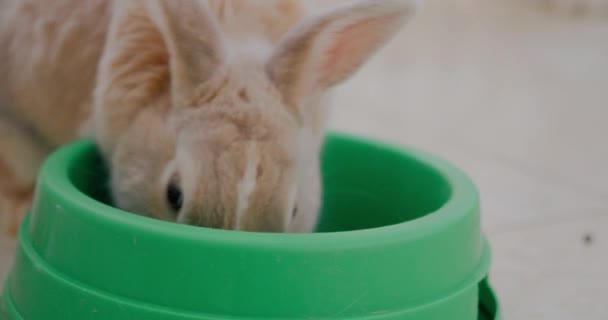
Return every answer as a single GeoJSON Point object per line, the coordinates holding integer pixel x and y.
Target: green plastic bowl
{"type": "Point", "coordinates": [399, 238]}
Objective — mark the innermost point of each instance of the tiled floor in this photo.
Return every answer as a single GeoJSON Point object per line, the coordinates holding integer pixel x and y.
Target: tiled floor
{"type": "Point", "coordinates": [517, 96]}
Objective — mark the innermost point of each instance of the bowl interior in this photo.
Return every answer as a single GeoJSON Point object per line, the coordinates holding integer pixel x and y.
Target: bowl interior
{"type": "Point", "coordinates": [389, 186]}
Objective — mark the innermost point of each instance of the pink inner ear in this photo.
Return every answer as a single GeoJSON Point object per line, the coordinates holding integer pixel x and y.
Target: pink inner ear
{"type": "Point", "coordinates": [352, 45]}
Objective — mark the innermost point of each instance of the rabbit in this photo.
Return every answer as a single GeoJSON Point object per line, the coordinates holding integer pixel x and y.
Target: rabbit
{"type": "Point", "coordinates": [208, 113]}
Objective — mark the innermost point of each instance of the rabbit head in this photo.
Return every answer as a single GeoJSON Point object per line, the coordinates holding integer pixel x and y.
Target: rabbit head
{"type": "Point", "coordinates": [217, 131]}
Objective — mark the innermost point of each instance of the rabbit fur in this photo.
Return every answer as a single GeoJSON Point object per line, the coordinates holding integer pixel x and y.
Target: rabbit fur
{"type": "Point", "coordinates": [222, 102]}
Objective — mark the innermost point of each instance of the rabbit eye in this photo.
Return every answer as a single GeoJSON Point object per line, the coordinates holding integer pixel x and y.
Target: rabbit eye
{"type": "Point", "coordinates": [175, 197]}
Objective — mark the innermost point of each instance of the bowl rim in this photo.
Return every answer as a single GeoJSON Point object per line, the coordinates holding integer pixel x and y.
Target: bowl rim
{"type": "Point", "coordinates": [462, 201]}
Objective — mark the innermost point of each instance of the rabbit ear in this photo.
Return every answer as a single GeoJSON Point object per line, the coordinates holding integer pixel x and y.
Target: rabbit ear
{"type": "Point", "coordinates": [154, 48]}
{"type": "Point", "coordinates": [325, 50]}
{"type": "Point", "coordinates": [193, 41]}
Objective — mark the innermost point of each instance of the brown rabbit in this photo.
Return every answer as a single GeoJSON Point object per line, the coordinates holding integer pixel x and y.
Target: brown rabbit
{"type": "Point", "coordinates": [209, 113]}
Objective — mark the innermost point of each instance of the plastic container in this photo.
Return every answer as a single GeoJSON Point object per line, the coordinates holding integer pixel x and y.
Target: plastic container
{"type": "Point", "coordinates": [399, 238]}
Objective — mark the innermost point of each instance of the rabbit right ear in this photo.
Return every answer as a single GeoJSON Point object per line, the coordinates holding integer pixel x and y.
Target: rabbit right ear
{"type": "Point", "coordinates": [327, 49]}
{"type": "Point", "coordinates": [154, 48]}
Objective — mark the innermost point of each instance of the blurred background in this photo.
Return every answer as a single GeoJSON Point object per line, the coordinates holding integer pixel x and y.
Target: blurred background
{"type": "Point", "coordinates": [515, 92]}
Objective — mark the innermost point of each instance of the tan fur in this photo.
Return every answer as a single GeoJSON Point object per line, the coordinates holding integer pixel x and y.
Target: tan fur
{"type": "Point", "coordinates": [20, 151]}
{"type": "Point", "coordinates": [59, 44]}
{"type": "Point", "coordinates": [14, 196]}
{"type": "Point", "coordinates": [179, 92]}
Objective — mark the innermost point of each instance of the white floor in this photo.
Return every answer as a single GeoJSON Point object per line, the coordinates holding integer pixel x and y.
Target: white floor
{"type": "Point", "coordinates": [517, 96]}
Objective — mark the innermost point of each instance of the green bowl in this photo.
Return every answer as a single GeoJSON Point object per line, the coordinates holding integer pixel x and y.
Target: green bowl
{"type": "Point", "coordinates": [399, 238]}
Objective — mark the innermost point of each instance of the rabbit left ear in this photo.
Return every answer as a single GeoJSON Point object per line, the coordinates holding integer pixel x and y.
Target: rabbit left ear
{"type": "Point", "coordinates": [154, 48]}
{"type": "Point", "coordinates": [326, 50]}
{"type": "Point", "coordinates": [193, 41]}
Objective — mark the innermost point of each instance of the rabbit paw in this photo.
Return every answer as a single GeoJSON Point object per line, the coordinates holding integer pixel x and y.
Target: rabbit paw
{"type": "Point", "coordinates": [13, 207]}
